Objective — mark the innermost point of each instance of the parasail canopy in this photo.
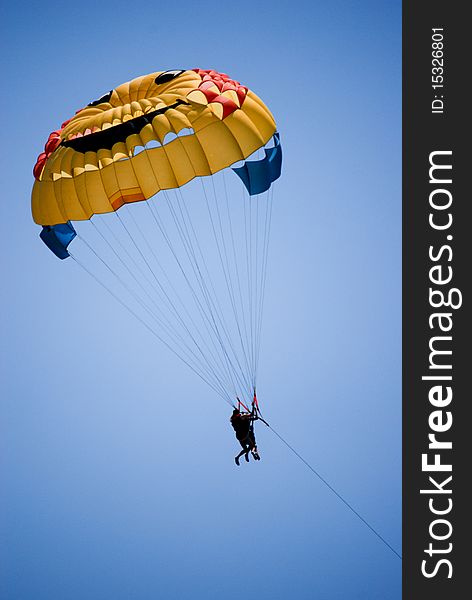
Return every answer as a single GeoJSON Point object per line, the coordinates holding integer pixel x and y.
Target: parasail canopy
{"type": "Point", "coordinates": [187, 259]}
{"type": "Point", "coordinates": [191, 124]}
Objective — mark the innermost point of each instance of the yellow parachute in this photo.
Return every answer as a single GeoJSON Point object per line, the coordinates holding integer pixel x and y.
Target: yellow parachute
{"type": "Point", "coordinates": [189, 257]}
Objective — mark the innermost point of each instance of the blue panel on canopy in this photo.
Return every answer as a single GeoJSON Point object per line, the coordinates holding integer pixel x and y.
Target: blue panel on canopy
{"type": "Point", "coordinates": [58, 237]}
{"type": "Point", "coordinates": [258, 175]}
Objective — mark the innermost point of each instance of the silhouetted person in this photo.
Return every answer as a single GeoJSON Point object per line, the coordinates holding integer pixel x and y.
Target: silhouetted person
{"type": "Point", "coordinates": [243, 425]}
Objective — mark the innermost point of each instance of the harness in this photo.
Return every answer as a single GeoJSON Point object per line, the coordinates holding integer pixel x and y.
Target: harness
{"type": "Point", "coordinates": [255, 411]}
{"type": "Point", "coordinates": [255, 414]}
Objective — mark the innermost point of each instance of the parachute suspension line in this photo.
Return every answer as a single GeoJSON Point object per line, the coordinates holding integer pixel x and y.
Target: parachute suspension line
{"type": "Point", "coordinates": [157, 261]}
{"type": "Point", "coordinates": [248, 220]}
{"type": "Point", "coordinates": [149, 328]}
{"type": "Point", "coordinates": [226, 366]}
{"type": "Point", "coordinates": [175, 338]}
{"type": "Point", "coordinates": [163, 232]}
{"type": "Point", "coordinates": [203, 287]}
{"type": "Point", "coordinates": [252, 261]}
{"type": "Point", "coordinates": [240, 403]}
{"type": "Point", "coordinates": [244, 194]}
{"type": "Point", "coordinates": [145, 291]}
{"type": "Point", "coordinates": [191, 256]}
{"type": "Point", "coordinates": [212, 301]}
{"type": "Point", "coordinates": [129, 270]}
{"type": "Point", "coordinates": [133, 261]}
{"type": "Point", "coordinates": [174, 308]}
{"type": "Point", "coordinates": [330, 487]}
{"type": "Point", "coordinates": [170, 304]}
{"type": "Point", "coordinates": [265, 256]}
{"type": "Point", "coordinates": [229, 366]}
{"type": "Point", "coordinates": [214, 308]}
{"type": "Point", "coordinates": [247, 384]}
{"type": "Point", "coordinates": [217, 368]}
{"type": "Point", "coordinates": [141, 253]}
{"type": "Point", "coordinates": [227, 272]}
{"type": "Point", "coordinates": [122, 282]}
{"type": "Point", "coordinates": [206, 319]}
{"type": "Point", "coordinates": [262, 231]}
{"type": "Point", "coordinates": [246, 337]}
{"type": "Point", "coordinates": [259, 307]}
{"type": "Point", "coordinates": [255, 237]}
{"type": "Point", "coordinates": [256, 287]}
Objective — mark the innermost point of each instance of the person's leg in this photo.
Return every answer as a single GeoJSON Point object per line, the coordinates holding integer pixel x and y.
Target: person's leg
{"type": "Point", "coordinates": [253, 444]}
{"type": "Point", "coordinates": [246, 444]}
{"type": "Point", "coordinates": [248, 449]}
{"type": "Point", "coordinates": [243, 451]}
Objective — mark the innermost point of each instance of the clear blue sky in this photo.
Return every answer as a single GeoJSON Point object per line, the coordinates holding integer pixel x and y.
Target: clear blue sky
{"type": "Point", "coordinates": [117, 473]}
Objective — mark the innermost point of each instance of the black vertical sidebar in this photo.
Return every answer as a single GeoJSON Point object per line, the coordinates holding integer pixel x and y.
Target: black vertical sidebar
{"type": "Point", "coordinates": [437, 332]}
